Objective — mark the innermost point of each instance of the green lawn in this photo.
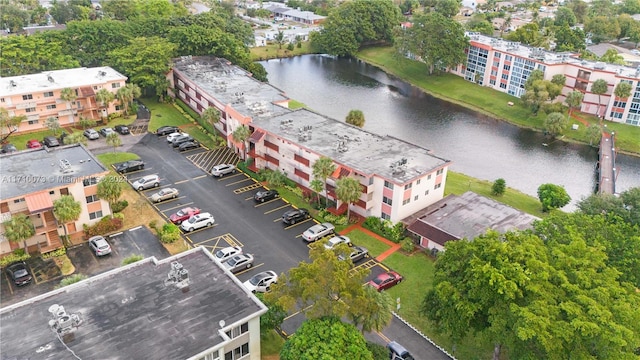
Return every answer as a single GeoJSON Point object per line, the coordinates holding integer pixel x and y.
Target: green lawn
{"type": "Point", "coordinates": [375, 246]}
{"type": "Point", "coordinates": [270, 343]}
{"type": "Point", "coordinates": [108, 159]}
{"type": "Point", "coordinates": [482, 99]}
{"type": "Point", "coordinates": [272, 51]}
{"type": "Point", "coordinates": [164, 114]}
{"type": "Point", "coordinates": [294, 104]}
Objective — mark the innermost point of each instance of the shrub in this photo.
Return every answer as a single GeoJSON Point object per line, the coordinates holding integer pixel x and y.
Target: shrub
{"type": "Point", "coordinates": [104, 226]}
{"type": "Point", "coordinates": [131, 259]}
{"type": "Point", "coordinates": [169, 233]}
{"type": "Point", "coordinates": [71, 280]}
{"type": "Point", "coordinates": [54, 253]}
{"type": "Point", "coordinates": [119, 216]}
{"type": "Point", "coordinates": [118, 206]}
{"type": "Point", "coordinates": [499, 186]}
{"type": "Point", "coordinates": [378, 351]}
{"type": "Point", "coordinates": [385, 228]}
{"type": "Point", "coordinates": [154, 225]}
{"type": "Point", "coordinates": [16, 255]}
{"type": "Point", "coordinates": [407, 245]}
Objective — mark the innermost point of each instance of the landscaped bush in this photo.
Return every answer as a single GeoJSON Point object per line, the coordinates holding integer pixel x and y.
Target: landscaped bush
{"type": "Point", "coordinates": [118, 206]}
{"type": "Point", "coordinates": [294, 189]}
{"type": "Point", "coordinates": [118, 216]}
{"type": "Point", "coordinates": [154, 225]}
{"type": "Point", "coordinates": [385, 228]}
{"type": "Point", "coordinates": [407, 245]}
{"type": "Point", "coordinates": [71, 280]}
{"type": "Point", "coordinates": [326, 216]}
{"type": "Point", "coordinates": [169, 233]}
{"type": "Point", "coordinates": [104, 226]}
{"type": "Point", "coordinates": [54, 253]}
{"type": "Point", "coordinates": [16, 255]}
{"type": "Point", "coordinates": [131, 259]}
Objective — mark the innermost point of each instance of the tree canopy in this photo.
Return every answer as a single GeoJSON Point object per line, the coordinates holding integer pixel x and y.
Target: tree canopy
{"type": "Point", "coordinates": [552, 196]}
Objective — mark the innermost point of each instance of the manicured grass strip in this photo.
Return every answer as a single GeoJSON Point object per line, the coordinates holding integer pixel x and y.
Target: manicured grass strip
{"type": "Point", "coordinates": [272, 51]}
{"type": "Point", "coordinates": [108, 159]}
{"type": "Point", "coordinates": [375, 246]}
{"type": "Point", "coordinates": [458, 184]}
{"type": "Point", "coordinates": [294, 104]}
{"type": "Point", "coordinates": [163, 114]}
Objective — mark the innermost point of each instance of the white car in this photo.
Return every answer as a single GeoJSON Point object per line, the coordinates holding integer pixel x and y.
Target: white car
{"type": "Point", "coordinates": [337, 240]}
{"type": "Point", "coordinates": [223, 169]}
{"type": "Point", "coordinates": [146, 182]}
{"type": "Point", "coordinates": [174, 135]}
{"type": "Point", "coordinates": [228, 252]}
{"type": "Point", "coordinates": [239, 262]}
{"type": "Point", "coordinates": [317, 232]}
{"type": "Point", "coordinates": [197, 222]}
{"type": "Point", "coordinates": [261, 282]}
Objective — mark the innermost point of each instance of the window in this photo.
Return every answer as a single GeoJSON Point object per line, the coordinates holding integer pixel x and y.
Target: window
{"type": "Point", "coordinates": [92, 198]}
{"type": "Point", "coordinates": [385, 216]}
{"type": "Point", "coordinates": [418, 182]}
{"type": "Point", "coordinates": [212, 356]}
{"type": "Point", "coordinates": [48, 94]}
{"type": "Point", "coordinates": [51, 107]}
{"type": "Point", "coordinates": [507, 67]}
{"type": "Point", "coordinates": [1, 99]}
{"type": "Point", "coordinates": [405, 202]}
{"type": "Point", "coordinates": [492, 81]}
{"type": "Point", "coordinates": [429, 177]}
{"type": "Point", "coordinates": [439, 172]}
{"type": "Point", "coordinates": [415, 198]}
{"type": "Point", "coordinates": [503, 86]}
{"type": "Point", "coordinates": [238, 352]}
{"type": "Point", "coordinates": [115, 85]}
{"type": "Point", "coordinates": [52, 192]}
{"type": "Point", "coordinates": [31, 109]}
{"type": "Point", "coordinates": [386, 200]}
{"type": "Point", "coordinates": [238, 330]}
{"type": "Point", "coordinates": [27, 97]}
{"type": "Point", "coordinates": [388, 185]}
{"type": "Point", "coordinates": [408, 186]}
{"type": "Point", "coordinates": [18, 201]}
{"type": "Point", "coordinates": [437, 186]}
{"type": "Point", "coordinates": [426, 193]}
{"type": "Point", "coordinates": [95, 215]}
{"type": "Point", "coordinates": [89, 181]}
{"type": "Point", "coordinates": [32, 122]}
{"type": "Point", "coordinates": [95, 87]}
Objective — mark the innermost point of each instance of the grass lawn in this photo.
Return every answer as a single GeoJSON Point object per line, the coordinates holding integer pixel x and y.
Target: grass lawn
{"type": "Point", "coordinates": [270, 344]}
{"type": "Point", "coordinates": [272, 51]}
{"type": "Point", "coordinates": [458, 184]}
{"type": "Point", "coordinates": [374, 246]}
{"type": "Point", "coordinates": [164, 114]}
{"type": "Point", "coordinates": [108, 159]}
{"type": "Point", "coordinates": [482, 99]}
{"type": "Point", "coordinates": [294, 104]}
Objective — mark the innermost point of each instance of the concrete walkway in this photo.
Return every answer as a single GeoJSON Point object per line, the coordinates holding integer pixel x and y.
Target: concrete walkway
{"type": "Point", "coordinates": [393, 246]}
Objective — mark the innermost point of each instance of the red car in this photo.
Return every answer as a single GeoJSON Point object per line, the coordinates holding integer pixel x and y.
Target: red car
{"type": "Point", "coordinates": [386, 280]}
{"type": "Point", "coordinates": [33, 144]}
{"type": "Point", "coordinates": [183, 214]}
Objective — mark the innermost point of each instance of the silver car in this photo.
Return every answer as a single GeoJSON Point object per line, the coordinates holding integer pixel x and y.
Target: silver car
{"type": "Point", "coordinates": [165, 194]}
{"type": "Point", "coordinates": [146, 182]}
{"type": "Point", "coordinates": [337, 240]}
{"type": "Point", "coordinates": [99, 245]}
{"type": "Point", "coordinates": [223, 169]}
{"type": "Point", "coordinates": [239, 262]}
{"type": "Point", "coordinates": [318, 231]}
{"type": "Point", "coordinates": [91, 134]}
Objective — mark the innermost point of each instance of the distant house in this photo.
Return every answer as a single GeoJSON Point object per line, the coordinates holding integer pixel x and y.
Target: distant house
{"type": "Point", "coordinates": [286, 13]}
{"type": "Point", "coordinates": [463, 217]}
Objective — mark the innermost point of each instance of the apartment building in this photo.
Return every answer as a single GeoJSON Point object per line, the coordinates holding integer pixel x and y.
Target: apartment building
{"type": "Point", "coordinates": [397, 178]}
{"type": "Point", "coordinates": [31, 180]}
{"type": "Point", "coordinates": [38, 96]}
{"type": "Point", "coordinates": [505, 66]}
{"type": "Point", "coordinates": [182, 307]}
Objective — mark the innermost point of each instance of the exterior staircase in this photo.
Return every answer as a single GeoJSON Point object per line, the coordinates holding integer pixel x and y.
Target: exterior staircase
{"type": "Point", "coordinates": [55, 242]}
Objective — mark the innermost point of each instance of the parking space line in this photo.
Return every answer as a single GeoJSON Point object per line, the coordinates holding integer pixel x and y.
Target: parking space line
{"type": "Point", "coordinates": [299, 223]}
{"type": "Point", "coordinates": [9, 282]}
{"type": "Point", "coordinates": [199, 177]}
{"type": "Point", "coordinates": [177, 207]}
{"type": "Point", "coordinates": [135, 172]}
{"type": "Point", "coordinates": [276, 209]}
{"type": "Point", "coordinates": [180, 182]}
{"type": "Point", "coordinates": [133, 179]}
{"type": "Point", "coordinates": [266, 202]}
{"type": "Point", "coordinates": [155, 188]}
{"type": "Point", "coordinates": [249, 269]}
{"type": "Point", "coordinates": [155, 204]}
{"type": "Point", "coordinates": [235, 182]}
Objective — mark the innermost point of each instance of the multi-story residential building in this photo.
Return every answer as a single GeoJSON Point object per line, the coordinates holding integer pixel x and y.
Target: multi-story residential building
{"type": "Point", "coordinates": [397, 178]}
{"type": "Point", "coordinates": [183, 307]}
{"type": "Point", "coordinates": [32, 180]}
{"type": "Point", "coordinates": [38, 96]}
{"type": "Point", "coordinates": [505, 66]}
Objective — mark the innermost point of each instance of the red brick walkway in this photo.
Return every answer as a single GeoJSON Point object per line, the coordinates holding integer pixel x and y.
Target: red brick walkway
{"type": "Point", "coordinates": [583, 121]}
{"type": "Point", "coordinates": [394, 247]}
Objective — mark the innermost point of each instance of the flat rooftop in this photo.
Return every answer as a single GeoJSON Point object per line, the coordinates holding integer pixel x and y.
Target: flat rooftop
{"type": "Point", "coordinates": [470, 215]}
{"type": "Point", "coordinates": [349, 145]}
{"type": "Point", "coordinates": [130, 313]}
{"type": "Point", "coordinates": [57, 79]}
{"type": "Point", "coordinates": [28, 171]}
{"type": "Point", "coordinates": [232, 85]}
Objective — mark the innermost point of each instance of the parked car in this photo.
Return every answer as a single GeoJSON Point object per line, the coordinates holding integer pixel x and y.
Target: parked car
{"type": "Point", "coordinates": [357, 253]}
{"type": "Point", "coordinates": [122, 129]}
{"type": "Point", "coordinates": [50, 141]}
{"type": "Point", "coordinates": [175, 135]}
{"type": "Point", "coordinates": [146, 182]}
{"type": "Point", "coordinates": [386, 280]}
{"type": "Point", "coordinates": [91, 134]}
{"type": "Point", "coordinates": [197, 222]}
{"type": "Point", "coordinates": [166, 130]}
{"type": "Point", "coordinates": [265, 195]}
{"type": "Point", "coordinates": [8, 148]}
{"type": "Point", "coordinates": [181, 140]}
{"type": "Point", "coordinates": [238, 263]}
{"type": "Point", "coordinates": [131, 165]}
{"type": "Point", "coordinates": [19, 273]}
{"type": "Point", "coordinates": [33, 144]}
{"type": "Point", "coordinates": [318, 231]}
{"type": "Point", "coordinates": [106, 131]}
{"type": "Point", "coordinates": [99, 245]}
{"type": "Point", "coordinates": [295, 216]}
{"type": "Point", "coordinates": [165, 194]}
{"type": "Point", "coordinates": [188, 145]}
{"type": "Point", "coordinates": [226, 253]}
{"type": "Point", "coordinates": [337, 240]}
{"type": "Point", "coordinates": [261, 282]}
{"type": "Point", "coordinates": [398, 352]}
{"type": "Point", "coordinates": [223, 169]}
{"type": "Point", "coordinates": [184, 214]}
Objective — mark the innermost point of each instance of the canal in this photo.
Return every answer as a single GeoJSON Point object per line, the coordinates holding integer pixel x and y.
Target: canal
{"type": "Point", "coordinates": [479, 146]}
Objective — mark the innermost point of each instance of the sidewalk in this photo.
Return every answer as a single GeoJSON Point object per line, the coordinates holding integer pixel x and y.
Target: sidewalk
{"type": "Point", "coordinates": [394, 247]}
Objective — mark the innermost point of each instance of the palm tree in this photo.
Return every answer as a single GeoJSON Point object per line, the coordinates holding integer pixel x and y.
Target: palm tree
{"type": "Point", "coordinates": [52, 124]}
{"type": "Point", "coordinates": [555, 124]}
{"type": "Point", "coordinates": [594, 133]}
{"type": "Point", "coordinates": [240, 135]}
{"type": "Point", "coordinates": [574, 100]}
{"type": "Point", "coordinates": [114, 140]}
{"type": "Point", "coordinates": [355, 117]}
{"type": "Point", "coordinates": [211, 115]}
{"type": "Point", "coordinates": [126, 95]}
{"type": "Point", "coordinates": [19, 228]}
{"type": "Point", "coordinates": [279, 39]}
{"type": "Point", "coordinates": [75, 138]}
{"type": "Point", "coordinates": [69, 95]}
{"type": "Point", "coordinates": [110, 189]}
{"type": "Point", "coordinates": [348, 190]}
{"type": "Point", "coordinates": [66, 209]}
{"type": "Point", "coordinates": [375, 312]}
{"type": "Point", "coordinates": [317, 186]}
{"type": "Point", "coordinates": [599, 87]}
{"type": "Point", "coordinates": [323, 168]}
{"type": "Point", "coordinates": [623, 90]}
{"type": "Point", "coordinates": [105, 97]}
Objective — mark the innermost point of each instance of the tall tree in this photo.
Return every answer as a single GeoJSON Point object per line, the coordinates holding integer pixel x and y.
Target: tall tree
{"type": "Point", "coordinates": [66, 209]}
{"type": "Point", "coordinates": [35, 53]}
{"type": "Point", "coordinates": [574, 101]}
{"type": "Point", "coordinates": [19, 228]}
{"type": "Point", "coordinates": [75, 138]}
{"type": "Point", "coordinates": [113, 139]}
{"type": "Point", "coordinates": [623, 90]}
{"type": "Point", "coordinates": [240, 135]}
{"type": "Point", "coordinates": [110, 189]}
{"type": "Point", "coordinates": [126, 95]}
{"type": "Point", "coordinates": [564, 16]}
{"type": "Point", "coordinates": [279, 39]}
{"type": "Point", "coordinates": [349, 190]}
{"type": "Point", "coordinates": [322, 169]}
{"type": "Point", "coordinates": [372, 311]}
{"type": "Point", "coordinates": [326, 338]}
{"type": "Point", "coordinates": [105, 97]}
{"type": "Point", "coordinates": [555, 124]}
{"type": "Point", "coordinates": [447, 8]}
{"type": "Point", "coordinates": [317, 186]}
{"type": "Point", "coordinates": [594, 134]}
{"type": "Point", "coordinates": [356, 118]}
{"type": "Point", "coordinates": [552, 196]}
{"type": "Point", "coordinates": [9, 124]}
{"type": "Point", "coordinates": [69, 95]}
{"type": "Point", "coordinates": [52, 124]}
{"type": "Point", "coordinates": [601, 28]}
{"type": "Point", "coordinates": [539, 91]}
{"type": "Point", "coordinates": [211, 115]}
{"type": "Point", "coordinates": [599, 87]}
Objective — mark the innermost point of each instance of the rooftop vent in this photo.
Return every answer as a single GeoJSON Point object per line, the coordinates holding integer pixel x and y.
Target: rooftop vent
{"type": "Point", "coordinates": [599, 65]}
{"type": "Point", "coordinates": [399, 167]}
{"type": "Point", "coordinates": [63, 324]}
{"type": "Point", "coordinates": [50, 78]}
{"type": "Point", "coordinates": [65, 166]}
{"type": "Point", "coordinates": [13, 83]}
{"type": "Point", "coordinates": [102, 73]}
{"type": "Point", "coordinates": [178, 277]}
